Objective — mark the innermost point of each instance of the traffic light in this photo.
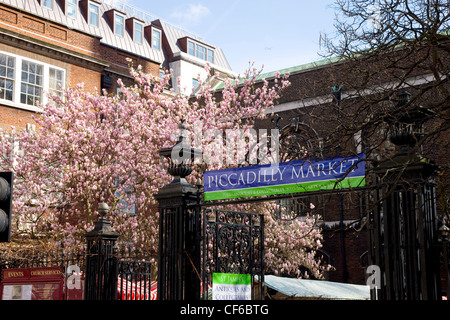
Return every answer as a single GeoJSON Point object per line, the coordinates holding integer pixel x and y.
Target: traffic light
{"type": "Point", "coordinates": [6, 188]}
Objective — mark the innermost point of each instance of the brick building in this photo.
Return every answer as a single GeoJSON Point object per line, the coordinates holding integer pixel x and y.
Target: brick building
{"type": "Point", "coordinates": [49, 44]}
{"type": "Point", "coordinates": [311, 100]}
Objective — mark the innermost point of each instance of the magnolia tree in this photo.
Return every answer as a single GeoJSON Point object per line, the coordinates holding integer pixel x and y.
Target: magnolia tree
{"type": "Point", "coordinates": [89, 148]}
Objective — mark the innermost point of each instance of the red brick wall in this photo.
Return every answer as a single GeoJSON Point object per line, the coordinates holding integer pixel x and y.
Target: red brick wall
{"type": "Point", "coordinates": [345, 255]}
{"type": "Point", "coordinates": [90, 78]}
{"type": "Point", "coordinates": [120, 62]}
{"type": "Point", "coordinates": [74, 74]}
{"type": "Point", "coordinates": [318, 82]}
{"type": "Point", "coordinates": [58, 35]}
{"type": "Point", "coordinates": [10, 116]}
{"type": "Point", "coordinates": [48, 32]}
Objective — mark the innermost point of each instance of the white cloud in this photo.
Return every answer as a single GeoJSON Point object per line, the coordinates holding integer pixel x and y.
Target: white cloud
{"type": "Point", "coordinates": [191, 15]}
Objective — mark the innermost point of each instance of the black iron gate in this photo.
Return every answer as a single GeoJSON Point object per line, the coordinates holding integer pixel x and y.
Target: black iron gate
{"type": "Point", "coordinates": [403, 238]}
{"type": "Point", "coordinates": [233, 242]}
{"type": "Point", "coordinates": [134, 278]}
{"type": "Point", "coordinates": [402, 230]}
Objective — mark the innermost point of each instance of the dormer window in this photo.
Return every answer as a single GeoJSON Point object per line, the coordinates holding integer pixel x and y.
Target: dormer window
{"type": "Point", "coordinates": [200, 51]}
{"type": "Point", "coordinates": [119, 24]}
{"type": "Point", "coordinates": [154, 36]}
{"type": "Point", "coordinates": [135, 29]}
{"type": "Point", "coordinates": [71, 8]}
{"type": "Point", "coordinates": [138, 32]}
{"type": "Point", "coordinates": [156, 39]}
{"type": "Point", "coordinates": [93, 14]}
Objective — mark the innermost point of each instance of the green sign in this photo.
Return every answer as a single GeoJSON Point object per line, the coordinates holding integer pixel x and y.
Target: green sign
{"type": "Point", "coordinates": [231, 286]}
{"type": "Point", "coordinates": [283, 178]}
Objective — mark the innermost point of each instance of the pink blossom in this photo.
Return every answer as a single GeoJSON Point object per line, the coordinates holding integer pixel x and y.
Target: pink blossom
{"type": "Point", "coordinates": [92, 148]}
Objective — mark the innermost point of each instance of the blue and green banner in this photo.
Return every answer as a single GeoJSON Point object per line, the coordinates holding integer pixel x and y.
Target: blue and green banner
{"type": "Point", "coordinates": [287, 177]}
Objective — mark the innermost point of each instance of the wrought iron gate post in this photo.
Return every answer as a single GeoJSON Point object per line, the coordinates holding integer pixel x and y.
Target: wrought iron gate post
{"type": "Point", "coordinates": [101, 262]}
{"type": "Point", "coordinates": [403, 225]}
{"type": "Point", "coordinates": [404, 236]}
{"type": "Point", "coordinates": [179, 228]}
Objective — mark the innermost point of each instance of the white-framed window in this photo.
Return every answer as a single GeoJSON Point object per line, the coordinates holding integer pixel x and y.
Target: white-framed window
{"type": "Point", "coordinates": [7, 77]}
{"type": "Point", "coordinates": [138, 30]}
{"type": "Point", "coordinates": [48, 4]}
{"type": "Point", "coordinates": [94, 13]}
{"type": "Point", "coordinates": [156, 39]}
{"type": "Point", "coordinates": [119, 24]}
{"type": "Point", "coordinates": [56, 81]}
{"type": "Point", "coordinates": [201, 52]}
{"type": "Point", "coordinates": [191, 48]}
{"type": "Point", "coordinates": [210, 56]}
{"type": "Point", "coordinates": [71, 8]}
{"type": "Point", "coordinates": [31, 83]}
{"type": "Point", "coordinates": [195, 84]}
{"type": "Point", "coordinates": [25, 81]}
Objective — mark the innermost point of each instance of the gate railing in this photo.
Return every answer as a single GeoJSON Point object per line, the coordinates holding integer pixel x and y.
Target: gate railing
{"type": "Point", "coordinates": [403, 239]}
{"type": "Point", "coordinates": [134, 276]}
{"type": "Point", "coordinates": [57, 258]}
{"type": "Point", "coordinates": [131, 270]}
{"type": "Point", "coordinates": [233, 242]}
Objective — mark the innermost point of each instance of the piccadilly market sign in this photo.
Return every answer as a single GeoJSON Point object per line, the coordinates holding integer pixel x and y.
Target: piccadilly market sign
{"type": "Point", "coordinates": [283, 178]}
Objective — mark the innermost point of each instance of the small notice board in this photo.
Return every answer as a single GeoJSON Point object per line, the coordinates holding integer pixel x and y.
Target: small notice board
{"type": "Point", "coordinates": [228, 286]}
{"type": "Point", "coordinates": [32, 284]}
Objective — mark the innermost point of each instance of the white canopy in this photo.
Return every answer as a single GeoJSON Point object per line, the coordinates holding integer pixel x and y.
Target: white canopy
{"type": "Point", "coordinates": [319, 289]}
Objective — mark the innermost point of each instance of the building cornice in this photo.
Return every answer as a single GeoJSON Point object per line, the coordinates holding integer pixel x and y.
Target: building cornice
{"type": "Point", "coordinates": [53, 21]}
{"type": "Point", "coordinates": [28, 43]}
{"type": "Point", "coordinates": [352, 94]}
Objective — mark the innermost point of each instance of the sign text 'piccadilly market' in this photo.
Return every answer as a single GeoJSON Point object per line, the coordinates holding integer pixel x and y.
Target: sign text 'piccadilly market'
{"type": "Point", "coordinates": [282, 178]}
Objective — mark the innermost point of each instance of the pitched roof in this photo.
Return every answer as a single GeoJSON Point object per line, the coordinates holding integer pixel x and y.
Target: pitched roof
{"type": "Point", "coordinates": [173, 34]}
{"type": "Point", "coordinates": [290, 71]}
{"type": "Point", "coordinates": [106, 33]}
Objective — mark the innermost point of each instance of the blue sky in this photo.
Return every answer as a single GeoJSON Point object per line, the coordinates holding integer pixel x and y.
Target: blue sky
{"type": "Point", "coordinates": [277, 34]}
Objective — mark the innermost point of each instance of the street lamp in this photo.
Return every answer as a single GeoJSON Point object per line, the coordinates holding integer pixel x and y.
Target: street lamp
{"type": "Point", "coordinates": [405, 122]}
